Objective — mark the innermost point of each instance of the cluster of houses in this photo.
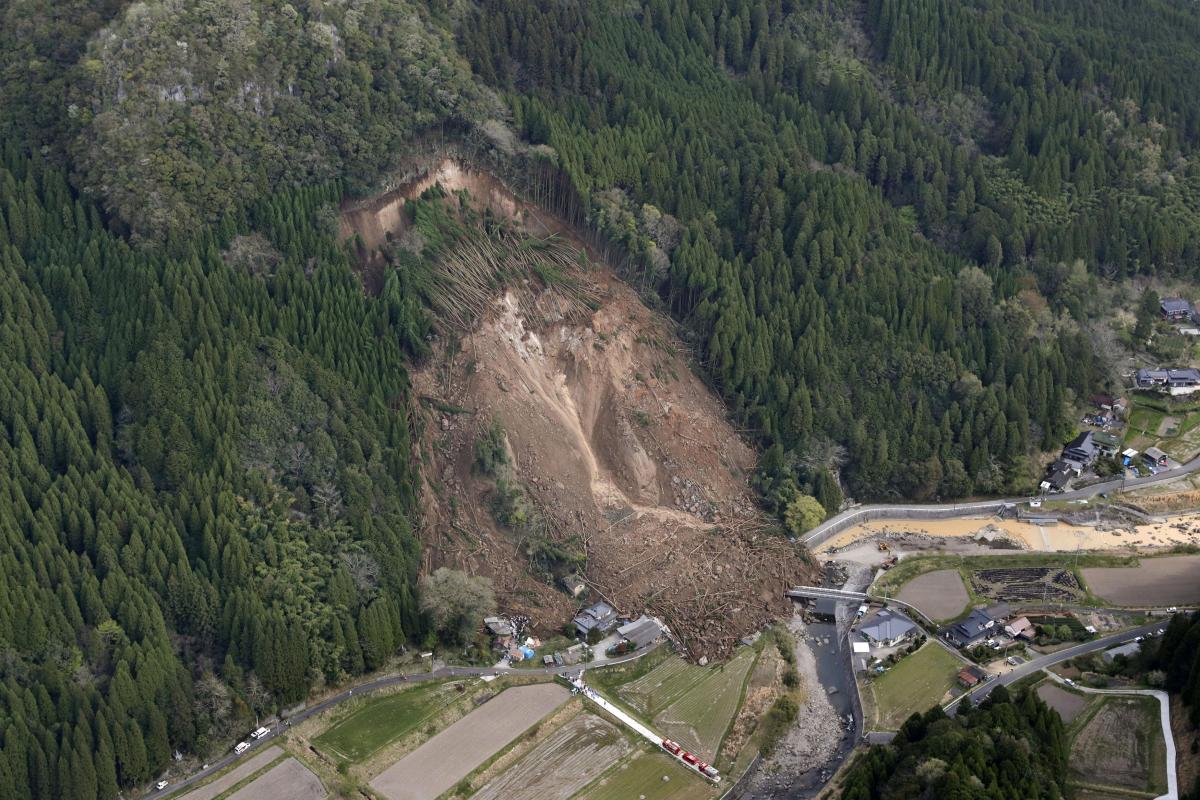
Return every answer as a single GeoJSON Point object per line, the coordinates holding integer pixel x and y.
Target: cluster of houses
{"type": "Point", "coordinates": [625, 634]}
{"type": "Point", "coordinates": [1077, 457]}
{"type": "Point", "coordinates": [1173, 381]}
{"type": "Point", "coordinates": [993, 626]}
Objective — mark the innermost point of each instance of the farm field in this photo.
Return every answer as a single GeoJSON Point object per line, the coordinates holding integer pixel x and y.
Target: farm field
{"type": "Point", "coordinates": [914, 685]}
{"type": "Point", "coordinates": [1169, 580]}
{"type": "Point", "coordinates": [381, 721]}
{"type": "Point", "coordinates": [699, 719]}
{"type": "Point", "coordinates": [562, 764]}
{"type": "Point", "coordinates": [1047, 584]}
{"type": "Point", "coordinates": [1067, 704]}
{"type": "Point", "coordinates": [940, 595]}
{"type": "Point", "coordinates": [453, 753]}
{"type": "Point", "coordinates": [641, 776]}
{"type": "Point", "coordinates": [660, 687]}
{"type": "Point", "coordinates": [1119, 744]}
{"type": "Point", "coordinates": [235, 776]}
{"type": "Point", "coordinates": [287, 780]}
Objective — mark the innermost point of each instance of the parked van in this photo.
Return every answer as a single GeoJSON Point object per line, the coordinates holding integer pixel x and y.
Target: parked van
{"type": "Point", "coordinates": [261, 732]}
{"type": "Point", "coordinates": [241, 747]}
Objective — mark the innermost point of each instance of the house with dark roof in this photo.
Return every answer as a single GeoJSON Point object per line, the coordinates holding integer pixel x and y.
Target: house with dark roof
{"type": "Point", "coordinates": [1149, 378]}
{"type": "Point", "coordinates": [1082, 448]}
{"type": "Point", "coordinates": [888, 628]}
{"type": "Point", "coordinates": [599, 617]}
{"type": "Point", "coordinates": [642, 632]}
{"type": "Point", "coordinates": [1056, 480]}
{"type": "Point", "coordinates": [970, 631]}
{"type": "Point", "coordinates": [1155, 457]}
{"type": "Point", "coordinates": [1175, 308]}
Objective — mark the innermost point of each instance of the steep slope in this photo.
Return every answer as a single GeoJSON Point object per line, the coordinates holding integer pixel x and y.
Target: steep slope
{"type": "Point", "coordinates": [623, 455]}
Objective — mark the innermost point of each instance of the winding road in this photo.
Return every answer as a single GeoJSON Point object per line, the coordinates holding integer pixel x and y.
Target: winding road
{"type": "Point", "coordinates": [865, 513]}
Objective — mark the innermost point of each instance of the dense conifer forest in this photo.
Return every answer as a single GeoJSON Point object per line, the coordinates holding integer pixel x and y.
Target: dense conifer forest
{"type": "Point", "coordinates": [882, 224]}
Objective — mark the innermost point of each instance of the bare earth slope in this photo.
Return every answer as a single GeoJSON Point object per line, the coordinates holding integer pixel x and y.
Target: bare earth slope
{"type": "Point", "coordinates": [617, 443]}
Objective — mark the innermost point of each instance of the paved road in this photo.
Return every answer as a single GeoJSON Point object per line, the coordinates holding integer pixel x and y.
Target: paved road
{"type": "Point", "coordinates": [1041, 662]}
{"type": "Point", "coordinates": [375, 685]}
{"type": "Point", "coordinates": [865, 513]}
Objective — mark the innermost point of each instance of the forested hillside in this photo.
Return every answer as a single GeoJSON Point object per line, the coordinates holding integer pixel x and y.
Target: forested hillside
{"type": "Point", "coordinates": [882, 222]}
{"type": "Point", "coordinates": [1009, 747]}
{"type": "Point", "coordinates": [205, 465]}
{"type": "Point", "coordinates": [894, 211]}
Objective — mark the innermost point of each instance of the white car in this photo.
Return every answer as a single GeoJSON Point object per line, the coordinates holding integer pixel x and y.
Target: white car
{"type": "Point", "coordinates": [1068, 682]}
{"type": "Point", "coordinates": [260, 733]}
{"type": "Point", "coordinates": [241, 747]}
{"type": "Point", "coordinates": [160, 785]}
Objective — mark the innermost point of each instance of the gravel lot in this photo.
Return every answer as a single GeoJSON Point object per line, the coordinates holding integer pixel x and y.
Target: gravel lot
{"type": "Point", "coordinates": [288, 780]}
{"type": "Point", "coordinates": [1170, 580]}
{"type": "Point", "coordinates": [242, 771]}
{"type": "Point", "coordinates": [939, 594]}
{"type": "Point", "coordinates": [452, 754]}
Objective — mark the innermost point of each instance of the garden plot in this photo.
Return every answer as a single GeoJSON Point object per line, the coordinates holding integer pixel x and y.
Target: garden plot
{"type": "Point", "coordinates": [287, 780]}
{"type": "Point", "coordinates": [565, 762]}
{"type": "Point", "coordinates": [940, 595]}
{"type": "Point", "coordinates": [1067, 704]}
{"type": "Point", "coordinates": [1121, 746]}
{"type": "Point", "coordinates": [1015, 584]}
{"type": "Point", "coordinates": [1170, 580]}
{"type": "Point", "coordinates": [700, 718]}
{"type": "Point", "coordinates": [650, 776]}
{"type": "Point", "coordinates": [382, 720]}
{"type": "Point", "coordinates": [454, 753]}
{"type": "Point", "coordinates": [662, 686]}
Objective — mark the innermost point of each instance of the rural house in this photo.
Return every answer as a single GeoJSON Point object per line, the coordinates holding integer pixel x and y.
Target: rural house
{"type": "Point", "coordinates": [1106, 443]}
{"type": "Point", "coordinates": [574, 584]}
{"type": "Point", "coordinates": [1175, 308]}
{"type": "Point", "coordinates": [1082, 448]}
{"type": "Point", "coordinates": [1056, 480]}
{"type": "Point", "coordinates": [887, 629]}
{"type": "Point", "coordinates": [1020, 628]}
{"type": "Point", "coordinates": [599, 617]}
{"type": "Point", "coordinates": [642, 632]}
{"type": "Point", "coordinates": [1155, 457]}
{"type": "Point", "coordinates": [970, 676]}
{"type": "Point", "coordinates": [977, 626]}
{"type": "Point", "coordinates": [1129, 650]}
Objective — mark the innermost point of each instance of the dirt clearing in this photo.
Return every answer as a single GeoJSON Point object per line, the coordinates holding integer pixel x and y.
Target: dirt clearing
{"type": "Point", "coordinates": [452, 754]}
{"type": "Point", "coordinates": [1067, 704]}
{"type": "Point", "coordinates": [1170, 580]}
{"type": "Point", "coordinates": [1120, 745]}
{"type": "Point", "coordinates": [619, 460]}
{"type": "Point", "coordinates": [288, 780]}
{"type": "Point", "coordinates": [235, 776]}
{"type": "Point", "coordinates": [939, 595]}
{"type": "Point", "coordinates": [570, 759]}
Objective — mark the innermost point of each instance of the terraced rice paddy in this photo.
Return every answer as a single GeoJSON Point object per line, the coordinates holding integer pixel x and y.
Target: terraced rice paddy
{"type": "Point", "coordinates": [381, 721]}
{"type": "Point", "coordinates": [701, 718]}
{"type": "Point", "coordinates": [1027, 583]}
{"type": "Point", "coordinates": [642, 776]}
{"type": "Point", "coordinates": [562, 764]}
{"type": "Point", "coordinates": [662, 686]}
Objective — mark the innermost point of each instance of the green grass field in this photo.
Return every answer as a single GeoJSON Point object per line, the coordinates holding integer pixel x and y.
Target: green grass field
{"type": "Point", "coordinates": [641, 775]}
{"type": "Point", "coordinates": [663, 685]}
{"type": "Point", "coordinates": [379, 722]}
{"type": "Point", "coordinates": [700, 719]}
{"type": "Point", "coordinates": [913, 686]}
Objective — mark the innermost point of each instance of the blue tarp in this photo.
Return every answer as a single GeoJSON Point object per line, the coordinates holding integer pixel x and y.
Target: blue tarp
{"type": "Point", "coordinates": [527, 652]}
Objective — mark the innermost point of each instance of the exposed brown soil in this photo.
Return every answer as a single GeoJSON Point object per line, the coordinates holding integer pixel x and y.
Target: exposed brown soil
{"type": "Point", "coordinates": [287, 780]}
{"type": "Point", "coordinates": [1170, 580]}
{"type": "Point", "coordinates": [1067, 704]}
{"type": "Point", "coordinates": [939, 594]}
{"type": "Point", "coordinates": [617, 443]}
